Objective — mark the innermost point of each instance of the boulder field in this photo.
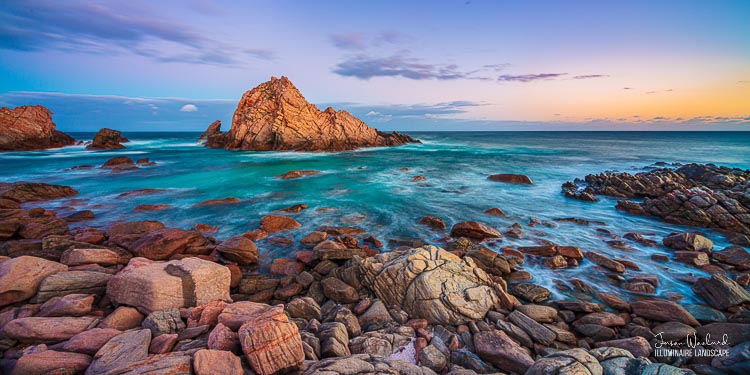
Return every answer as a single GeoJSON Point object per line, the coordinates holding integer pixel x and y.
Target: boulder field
{"type": "Point", "coordinates": [140, 297]}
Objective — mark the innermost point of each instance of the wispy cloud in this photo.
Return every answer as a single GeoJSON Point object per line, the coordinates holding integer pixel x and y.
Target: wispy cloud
{"type": "Point", "coordinates": [398, 65]}
{"type": "Point", "coordinates": [349, 41]}
{"type": "Point", "coordinates": [106, 28]}
{"type": "Point", "coordinates": [591, 76]}
{"type": "Point", "coordinates": [529, 77]}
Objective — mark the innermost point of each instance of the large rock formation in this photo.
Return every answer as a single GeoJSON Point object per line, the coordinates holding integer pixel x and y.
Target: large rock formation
{"type": "Point", "coordinates": [30, 128]}
{"type": "Point", "coordinates": [275, 116]}
{"type": "Point", "coordinates": [698, 195]}
{"type": "Point", "coordinates": [107, 139]}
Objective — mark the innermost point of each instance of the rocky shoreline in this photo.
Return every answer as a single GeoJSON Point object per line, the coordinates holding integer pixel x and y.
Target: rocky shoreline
{"type": "Point", "coordinates": [139, 297]}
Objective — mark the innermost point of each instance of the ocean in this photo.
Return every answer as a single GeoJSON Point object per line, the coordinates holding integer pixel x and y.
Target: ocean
{"type": "Point", "coordinates": [367, 188]}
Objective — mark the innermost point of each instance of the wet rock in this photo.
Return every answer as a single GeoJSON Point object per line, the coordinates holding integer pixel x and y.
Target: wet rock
{"type": "Point", "coordinates": [152, 286]}
{"type": "Point", "coordinates": [501, 351]}
{"type": "Point", "coordinates": [539, 251]}
{"type": "Point", "coordinates": [736, 362]}
{"type": "Point", "coordinates": [430, 283]}
{"type": "Point", "coordinates": [730, 334]}
{"type": "Point", "coordinates": [51, 362]}
{"type": "Point", "coordinates": [20, 277]}
{"type": "Point", "coordinates": [474, 230]}
{"type": "Point", "coordinates": [721, 292]}
{"type": "Point", "coordinates": [540, 313]}
{"type": "Point", "coordinates": [605, 262]}
{"type": "Point", "coordinates": [163, 243]}
{"type": "Point", "coordinates": [531, 292]}
{"type": "Point", "coordinates": [495, 212]}
{"type": "Point", "coordinates": [313, 238]}
{"type": "Point", "coordinates": [568, 362]}
{"type": "Point", "coordinates": [663, 311]}
{"type": "Point", "coordinates": [510, 178]}
{"type": "Point", "coordinates": [613, 301]}
{"type": "Point", "coordinates": [46, 330]}
{"type": "Point", "coordinates": [297, 174]}
{"type": "Point", "coordinates": [107, 139]}
{"type": "Point", "coordinates": [688, 242]}
{"type": "Point", "coordinates": [274, 224]}
{"type": "Point", "coordinates": [270, 342]}
{"type": "Point", "coordinates": [578, 306]}
{"type": "Point", "coordinates": [119, 163]}
{"type": "Point", "coordinates": [695, 258]}
{"type": "Point", "coordinates": [218, 202]}
{"type": "Point", "coordinates": [734, 255]}
{"type": "Point", "coordinates": [239, 249]}
{"type": "Point", "coordinates": [435, 223]}
{"type": "Point", "coordinates": [210, 362]}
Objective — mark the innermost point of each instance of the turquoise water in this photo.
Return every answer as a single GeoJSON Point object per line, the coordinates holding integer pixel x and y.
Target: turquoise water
{"type": "Point", "coordinates": [368, 189]}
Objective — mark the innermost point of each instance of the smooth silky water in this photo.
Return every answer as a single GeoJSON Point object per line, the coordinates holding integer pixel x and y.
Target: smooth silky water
{"type": "Point", "coordinates": [367, 188]}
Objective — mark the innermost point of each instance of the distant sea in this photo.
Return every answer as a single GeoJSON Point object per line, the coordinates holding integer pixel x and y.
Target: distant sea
{"type": "Point", "coordinates": [367, 188]}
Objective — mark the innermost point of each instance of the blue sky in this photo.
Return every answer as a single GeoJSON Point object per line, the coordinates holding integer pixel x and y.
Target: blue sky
{"type": "Point", "coordinates": [418, 65]}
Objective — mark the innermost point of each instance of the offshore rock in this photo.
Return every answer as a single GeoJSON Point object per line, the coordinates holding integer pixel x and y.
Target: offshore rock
{"type": "Point", "coordinates": [107, 139]}
{"type": "Point", "coordinates": [30, 128]}
{"type": "Point", "coordinates": [274, 116]}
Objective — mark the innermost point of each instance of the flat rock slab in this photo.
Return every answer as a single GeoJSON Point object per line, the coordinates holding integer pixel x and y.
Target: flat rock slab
{"type": "Point", "coordinates": [46, 330]}
{"type": "Point", "coordinates": [20, 277]}
{"type": "Point", "coordinates": [150, 286]}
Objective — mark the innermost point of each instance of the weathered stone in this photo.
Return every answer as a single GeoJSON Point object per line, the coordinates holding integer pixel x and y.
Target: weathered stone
{"type": "Point", "coordinates": [177, 363]}
{"type": "Point", "coordinates": [568, 362]}
{"type": "Point", "coordinates": [51, 362]}
{"type": "Point", "coordinates": [538, 332]}
{"type": "Point", "coordinates": [688, 242]}
{"type": "Point", "coordinates": [103, 257]}
{"type": "Point", "coordinates": [69, 305]}
{"type": "Point", "coordinates": [334, 340]}
{"type": "Point", "coordinates": [20, 277]}
{"type": "Point", "coordinates": [72, 282]}
{"type": "Point", "coordinates": [121, 352]}
{"type": "Point", "coordinates": [430, 283]}
{"type": "Point", "coordinates": [721, 292]}
{"type": "Point", "coordinates": [223, 338]}
{"type": "Point", "coordinates": [107, 139]}
{"type": "Point", "coordinates": [663, 311]}
{"type": "Point", "coordinates": [163, 321]}
{"type": "Point", "coordinates": [30, 128]}
{"type": "Point", "coordinates": [239, 249]}
{"type": "Point", "coordinates": [152, 286]}
{"type": "Point", "coordinates": [89, 342]}
{"type": "Point", "coordinates": [163, 343]}
{"type": "Point", "coordinates": [474, 230]}
{"type": "Point", "coordinates": [46, 330]}
{"type": "Point", "coordinates": [605, 262]}
{"type": "Point", "coordinates": [236, 314]}
{"type": "Point", "coordinates": [163, 243]}
{"type": "Point", "coordinates": [270, 342]}
{"type": "Point", "coordinates": [339, 291]}
{"type": "Point", "coordinates": [123, 319]}
{"type": "Point", "coordinates": [498, 349]}
{"type": "Point", "coordinates": [275, 116]}
{"type": "Point", "coordinates": [210, 362]}
{"type": "Point", "coordinates": [638, 346]}
{"type": "Point", "coordinates": [274, 224]}
{"type": "Point", "coordinates": [303, 307]}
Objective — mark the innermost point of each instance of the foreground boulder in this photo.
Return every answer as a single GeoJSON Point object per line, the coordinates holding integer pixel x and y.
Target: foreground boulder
{"type": "Point", "coordinates": [501, 351]}
{"type": "Point", "coordinates": [271, 343]}
{"type": "Point", "coordinates": [119, 354]}
{"type": "Point", "coordinates": [151, 286]}
{"type": "Point", "coordinates": [37, 330]}
{"type": "Point", "coordinates": [30, 128]}
{"type": "Point", "coordinates": [431, 283]}
{"type": "Point", "coordinates": [275, 116]}
{"type": "Point", "coordinates": [22, 192]}
{"type": "Point", "coordinates": [107, 139]}
{"type": "Point", "coordinates": [20, 277]}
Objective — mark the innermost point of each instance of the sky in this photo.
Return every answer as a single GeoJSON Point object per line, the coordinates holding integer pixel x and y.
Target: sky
{"type": "Point", "coordinates": [399, 65]}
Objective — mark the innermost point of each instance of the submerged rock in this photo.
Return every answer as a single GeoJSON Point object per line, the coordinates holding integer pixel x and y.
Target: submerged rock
{"type": "Point", "coordinates": [275, 116]}
{"type": "Point", "coordinates": [511, 178]}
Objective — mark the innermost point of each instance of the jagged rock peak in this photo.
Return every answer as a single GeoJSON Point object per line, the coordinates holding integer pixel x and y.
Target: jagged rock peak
{"type": "Point", "coordinates": [275, 116]}
{"type": "Point", "coordinates": [30, 127]}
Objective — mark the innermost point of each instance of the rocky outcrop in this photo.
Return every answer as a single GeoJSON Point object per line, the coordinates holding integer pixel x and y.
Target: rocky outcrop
{"type": "Point", "coordinates": [696, 195]}
{"type": "Point", "coordinates": [107, 139]}
{"type": "Point", "coordinates": [30, 128]}
{"type": "Point", "coordinates": [274, 116]}
{"type": "Point", "coordinates": [213, 130]}
{"type": "Point", "coordinates": [431, 283]}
